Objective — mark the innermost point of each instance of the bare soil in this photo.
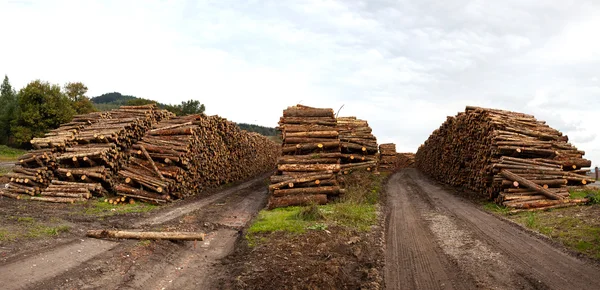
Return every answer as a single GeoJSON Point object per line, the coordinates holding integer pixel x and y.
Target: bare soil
{"type": "Point", "coordinates": [438, 240]}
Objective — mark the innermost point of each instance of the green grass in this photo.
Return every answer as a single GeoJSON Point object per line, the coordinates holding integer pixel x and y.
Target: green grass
{"type": "Point", "coordinates": [101, 208]}
{"type": "Point", "coordinates": [4, 170]}
{"type": "Point", "coordinates": [494, 207]}
{"type": "Point", "coordinates": [6, 235]}
{"type": "Point", "coordinates": [29, 227]}
{"type": "Point", "coordinates": [356, 210]}
{"type": "Point", "coordinates": [10, 154]}
{"type": "Point", "coordinates": [593, 195]}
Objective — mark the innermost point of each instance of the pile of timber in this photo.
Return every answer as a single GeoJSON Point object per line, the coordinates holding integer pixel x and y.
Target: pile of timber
{"type": "Point", "coordinates": [358, 145]}
{"type": "Point", "coordinates": [88, 150]}
{"type": "Point", "coordinates": [35, 169]}
{"type": "Point", "coordinates": [306, 172]}
{"type": "Point", "coordinates": [520, 161]}
{"type": "Point", "coordinates": [388, 158]}
{"type": "Point", "coordinates": [184, 155]}
{"type": "Point", "coordinates": [405, 160]}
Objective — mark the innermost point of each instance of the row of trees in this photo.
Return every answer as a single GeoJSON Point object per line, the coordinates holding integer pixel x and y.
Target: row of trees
{"type": "Point", "coordinates": [37, 108]}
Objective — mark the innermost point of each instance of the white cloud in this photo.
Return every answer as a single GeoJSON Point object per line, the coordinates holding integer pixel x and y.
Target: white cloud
{"type": "Point", "coordinates": [404, 66]}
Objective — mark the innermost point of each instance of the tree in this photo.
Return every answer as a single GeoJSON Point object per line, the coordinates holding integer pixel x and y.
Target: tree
{"type": "Point", "coordinates": [41, 107]}
{"type": "Point", "coordinates": [7, 110]}
{"type": "Point", "coordinates": [139, 102]}
{"type": "Point", "coordinates": [191, 107]}
{"type": "Point", "coordinates": [76, 94]}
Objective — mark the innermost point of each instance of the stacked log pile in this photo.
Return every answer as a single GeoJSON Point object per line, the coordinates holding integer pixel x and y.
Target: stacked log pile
{"type": "Point", "coordinates": [306, 172]}
{"type": "Point", "coordinates": [89, 149]}
{"type": "Point", "coordinates": [513, 157]}
{"type": "Point", "coordinates": [388, 158]}
{"type": "Point", "coordinates": [358, 145]}
{"type": "Point", "coordinates": [184, 155]}
{"type": "Point", "coordinates": [405, 160]}
{"type": "Point", "coordinates": [35, 169]}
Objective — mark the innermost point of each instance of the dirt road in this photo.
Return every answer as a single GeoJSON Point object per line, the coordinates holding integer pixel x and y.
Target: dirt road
{"type": "Point", "coordinates": [92, 264]}
{"type": "Point", "coordinates": [436, 240]}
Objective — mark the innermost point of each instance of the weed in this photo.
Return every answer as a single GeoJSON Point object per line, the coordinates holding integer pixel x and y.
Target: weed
{"type": "Point", "coordinates": [494, 207]}
{"type": "Point", "coordinates": [531, 221]}
{"type": "Point", "coordinates": [27, 220]}
{"type": "Point", "coordinates": [318, 227]}
{"type": "Point", "coordinates": [6, 235]}
{"type": "Point", "coordinates": [144, 243]}
{"type": "Point", "coordinates": [310, 213]}
{"type": "Point", "coordinates": [592, 195]}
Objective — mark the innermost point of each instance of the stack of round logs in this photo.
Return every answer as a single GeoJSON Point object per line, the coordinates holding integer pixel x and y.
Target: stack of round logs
{"type": "Point", "coordinates": [306, 173]}
{"type": "Point", "coordinates": [405, 160]}
{"type": "Point", "coordinates": [181, 156]}
{"type": "Point", "coordinates": [520, 161]}
{"type": "Point", "coordinates": [388, 157]}
{"type": "Point", "coordinates": [87, 150]}
{"type": "Point", "coordinates": [35, 169]}
{"type": "Point", "coordinates": [358, 145]}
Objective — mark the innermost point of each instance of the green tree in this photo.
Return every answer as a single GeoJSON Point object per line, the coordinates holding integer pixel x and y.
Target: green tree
{"type": "Point", "coordinates": [139, 102]}
{"type": "Point", "coordinates": [8, 107]}
{"type": "Point", "coordinates": [76, 94]}
{"type": "Point", "coordinates": [192, 107]}
{"type": "Point", "coordinates": [41, 107]}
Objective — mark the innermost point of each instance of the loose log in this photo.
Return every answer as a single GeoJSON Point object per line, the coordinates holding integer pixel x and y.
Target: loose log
{"type": "Point", "coordinates": [184, 236]}
{"type": "Point", "coordinates": [308, 190]}
{"type": "Point", "coordinates": [531, 185]}
{"type": "Point", "coordinates": [308, 167]}
{"type": "Point", "coordinates": [295, 200]}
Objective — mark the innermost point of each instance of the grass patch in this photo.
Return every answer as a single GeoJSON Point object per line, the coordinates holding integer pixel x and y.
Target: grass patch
{"type": "Point", "coordinates": [101, 208]}
{"type": "Point", "coordinates": [6, 235]}
{"type": "Point", "coordinates": [494, 207]}
{"type": "Point", "coordinates": [356, 210]}
{"type": "Point", "coordinates": [3, 171]}
{"type": "Point", "coordinates": [569, 226]}
{"type": "Point", "coordinates": [593, 195]}
{"type": "Point", "coordinates": [10, 154]}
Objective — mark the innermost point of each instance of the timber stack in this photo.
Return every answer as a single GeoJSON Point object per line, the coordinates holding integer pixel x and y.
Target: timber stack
{"type": "Point", "coordinates": [405, 160]}
{"type": "Point", "coordinates": [388, 158]}
{"type": "Point", "coordinates": [306, 171]}
{"type": "Point", "coordinates": [358, 145]}
{"type": "Point", "coordinates": [520, 161]}
{"type": "Point", "coordinates": [35, 169]}
{"type": "Point", "coordinates": [88, 150]}
{"type": "Point", "coordinates": [184, 155]}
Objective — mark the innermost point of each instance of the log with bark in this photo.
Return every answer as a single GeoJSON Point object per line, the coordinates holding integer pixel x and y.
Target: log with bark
{"type": "Point", "coordinates": [114, 234]}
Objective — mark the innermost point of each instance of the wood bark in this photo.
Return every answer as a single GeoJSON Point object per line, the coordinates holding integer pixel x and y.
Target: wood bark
{"type": "Point", "coordinates": [185, 236]}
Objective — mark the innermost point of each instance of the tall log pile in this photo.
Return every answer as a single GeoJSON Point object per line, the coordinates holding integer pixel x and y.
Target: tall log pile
{"type": "Point", "coordinates": [513, 157]}
{"type": "Point", "coordinates": [306, 172]}
{"type": "Point", "coordinates": [184, 155]}
{"type": "Point", "coordinates": [388, 158]}
{"type": "Point", "coordinates": [358, 145]}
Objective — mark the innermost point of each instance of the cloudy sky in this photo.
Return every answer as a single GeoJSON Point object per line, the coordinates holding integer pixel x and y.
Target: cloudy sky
{"type": "Point", "coordinates": [402, 65]}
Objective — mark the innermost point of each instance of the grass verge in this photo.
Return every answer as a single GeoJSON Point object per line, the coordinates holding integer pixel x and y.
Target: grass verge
{"type": "Point", "coordinates": [10, 154]}
{"type": "Point", "coordinates": [101, 208]}
{"type": "Point", "coordinates": [356, 210]}
{"type": "Point", "coordinates": [577, 228]}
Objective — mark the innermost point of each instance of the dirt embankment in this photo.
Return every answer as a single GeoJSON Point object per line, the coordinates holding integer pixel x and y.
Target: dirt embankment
{"type": "Point", "coordinates": [436, 240]}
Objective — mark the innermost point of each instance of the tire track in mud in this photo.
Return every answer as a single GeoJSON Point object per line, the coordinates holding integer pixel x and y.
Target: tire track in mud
{"type": "Point", "coordinates": [481, 250]}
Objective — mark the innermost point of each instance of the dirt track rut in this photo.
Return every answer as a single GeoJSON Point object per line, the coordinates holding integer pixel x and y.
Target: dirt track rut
{"type": "Point", "coordinates": [436, 240]}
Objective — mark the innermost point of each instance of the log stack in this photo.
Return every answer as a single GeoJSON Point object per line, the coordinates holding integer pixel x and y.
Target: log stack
{"type": "Point", "coordinates": [520, 161]}
{"type": "Point", "coordinates": [89, 149]}
{"type": "Point", "coordinates": [184, 155]}
{"type": "Point", "coordinates": [405, 160]}
{"type": "Point", "coordinates": [358, 145]}
{"type": "Point", "coordinates": [388, 158]}
{"type": "Point", "coordinates": [306, 172]}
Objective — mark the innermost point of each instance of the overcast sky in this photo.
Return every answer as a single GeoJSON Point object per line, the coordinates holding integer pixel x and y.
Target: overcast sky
{"type": "Point", "coordinates": [402, 65]}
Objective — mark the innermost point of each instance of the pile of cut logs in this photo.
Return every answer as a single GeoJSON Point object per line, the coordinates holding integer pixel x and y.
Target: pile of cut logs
{"type": "Point", "coordinates": [358, 145]}
{"type": "Point", "coordinates": [405, 160]}
{"type": "Point", "coordinates": [181, 156]}
{"type": "Point", "coordinates": [388, 158]}
{"type": "Point", "coordinates": [520, 161]}
{"type": "Point", "coordinates": [87, 150]}
{"type": "Point", "coordinates": [306, 173]}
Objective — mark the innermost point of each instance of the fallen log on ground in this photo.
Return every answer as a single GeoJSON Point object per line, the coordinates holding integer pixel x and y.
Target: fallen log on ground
{"type": "Point", "coordinates": [184, 236]}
